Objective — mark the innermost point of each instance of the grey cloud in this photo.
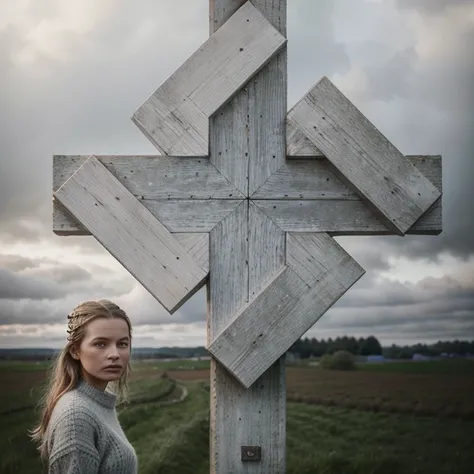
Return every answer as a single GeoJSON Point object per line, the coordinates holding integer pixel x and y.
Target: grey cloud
{"type": "Point", "coordinates": [431, 6]}
{"type": "Point", "coordinates": [63, 274]}
{"type": "Point", "coordinates": [424, 104]}
{"type": "Point", "coordinates": [433, 307]}
{"type": "Point", "coordinates": [13, 286]}
{"type": "Point", "coordinates": [313, 50]}
{"type": "Point", "coordinates": [18, 262]}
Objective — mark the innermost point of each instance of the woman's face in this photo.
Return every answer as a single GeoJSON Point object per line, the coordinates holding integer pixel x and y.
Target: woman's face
{"type": "Point", "coordinates": [105, 351]}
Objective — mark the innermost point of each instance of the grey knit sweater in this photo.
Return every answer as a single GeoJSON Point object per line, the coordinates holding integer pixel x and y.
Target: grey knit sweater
{"type": "Point", "coordinates": [84, 435]}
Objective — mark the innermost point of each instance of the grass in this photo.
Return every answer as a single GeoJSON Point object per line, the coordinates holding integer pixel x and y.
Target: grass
{"type": "Point", "coordinates": [334, 440]}
{"type": "Point", "coordinates": [446, 367]}
{"type": "Point", "coordinates": [320, 439]}
{"type": "Point", "coordinates": [172, 365]}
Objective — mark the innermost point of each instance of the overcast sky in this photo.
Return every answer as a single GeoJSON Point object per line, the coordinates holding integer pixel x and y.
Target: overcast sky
{"type": "Point", "coordinates": [74, 71]}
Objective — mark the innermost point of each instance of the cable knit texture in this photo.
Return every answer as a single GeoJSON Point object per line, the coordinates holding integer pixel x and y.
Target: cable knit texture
{"type": "Point", "coordinates": [85, 437]}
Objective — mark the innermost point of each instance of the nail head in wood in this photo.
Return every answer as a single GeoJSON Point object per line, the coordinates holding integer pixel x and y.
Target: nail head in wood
{"type": "Point", "coordinates": [251, 453]}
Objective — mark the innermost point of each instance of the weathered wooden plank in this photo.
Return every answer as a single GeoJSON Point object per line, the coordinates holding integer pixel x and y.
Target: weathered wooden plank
{"type": "Point", "coordinates": [267, 250]}
{"type": "Point", "coordinates": [131, 234]}
{"type": "Point", "coordinates": [366, 159]}
{"type": "Point", "coordinates": [175, 117]}
{"type": "Point", "coordinates": [156, 177]}
{"type": "Point", "coordinates": [228, 147]}
{"type": "Point", "coordinates": [317, 178]}
{"type": "Point", "coordinates": [297, 144]}
{"type": "Point", "coordinates": [197, 246]}
{"type": "Point", "coordinates": [256, 416]}
{"type": "Point", "coordinates": [319, 272]}
{"type": "Point", "coordinates": [251, 162]}
{"type": "Point", "coordinates": [338, 217]}
{"type": "Point", "coordinates": [175, 215]}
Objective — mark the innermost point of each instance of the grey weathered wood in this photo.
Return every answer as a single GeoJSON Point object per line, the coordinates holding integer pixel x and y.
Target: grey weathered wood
{"type": "Point", "coordinates": [175, 117]}
{"type": "Point", "coordinates": [338, 217]}
{"type": "Point", "coordinates": [156, 177]}
{"type": "Point", "coordinates": [255, 416]}
{"type": "Point", "coordinates": [319, 272]}
{"type": "Point", "coordinates": [379, 172]}
{"type": "Point", "coordinates": [317, 178]}
{"type": "Point", "coordinates": [267, 250]}
{"type": "Point", "coordinates": [297, 144]}
{"type": "Point", "coordinates": [252, 160]}
{"type": "Point", "coordinates": [292, 202]}
{"type": "Point", "coordinates": [197, 246]}
{"type": "Point", "coordinates": [131, 234]}
{"type": "Point", "coordinates": [175, 215]}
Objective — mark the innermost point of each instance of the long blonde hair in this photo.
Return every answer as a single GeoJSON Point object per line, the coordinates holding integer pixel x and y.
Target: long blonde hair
{"type": "Point", "coordinates": [66, 371]}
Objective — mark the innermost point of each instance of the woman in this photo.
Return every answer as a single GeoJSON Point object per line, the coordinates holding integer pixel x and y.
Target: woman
{"type": "Point", "coordinates": [79, 432]}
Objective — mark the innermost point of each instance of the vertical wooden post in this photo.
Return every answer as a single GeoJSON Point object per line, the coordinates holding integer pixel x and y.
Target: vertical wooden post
{"type": "Point", "coordinates": [247, 142]}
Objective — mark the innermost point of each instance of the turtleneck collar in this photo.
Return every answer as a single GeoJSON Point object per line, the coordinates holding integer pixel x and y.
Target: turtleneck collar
{"type": "Point", "coordinates": [104, 398]}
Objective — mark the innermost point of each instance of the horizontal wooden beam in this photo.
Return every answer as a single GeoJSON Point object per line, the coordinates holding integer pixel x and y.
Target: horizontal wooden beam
{"type": "Point", "coordinates": [132, 234]}
{"type": "Point", "coordinates": [318, 272]}
{"type": "Point", "coordinates": [364, 157]}
{"type": "Point", "coordinates": [307, 195]}
{"type": "Point", "coordinates": [156, 177]}
{"type": "Point", "coordinates": [338, 217]}
{"type": "Point", "coordinates": [176, 215]}
{"type": "Point", "coordinates": [184, 194]}
{"type": "Point", "coordinates": [176, 116]}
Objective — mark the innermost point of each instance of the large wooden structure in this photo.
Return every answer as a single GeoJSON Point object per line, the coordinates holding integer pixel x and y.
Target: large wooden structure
{"type": "Point", "coordinates": [247, 197]}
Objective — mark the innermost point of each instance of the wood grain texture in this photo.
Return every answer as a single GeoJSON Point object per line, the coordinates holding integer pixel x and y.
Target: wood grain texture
{"type": "Point", "coordinates": [156, 177]}
{"type": "Point", "coordinates": [197, 246]}
{"type": "Point", "coordinates": [338, 217]}
{"type": "Point", "coordinates": [259, 109]}
{"type": "Point", "coordinates": [254, 416]}
{"type": "Point", "coordinates": [366, 159]}
{"type": "Point", "coordinates": [298, 144]}
{"type": "Point", "coordinates": [131, 234]}
{"type": "Point", "coordinates": [175, 215]}
{"type": "Point", "coordinates": [307, 195]}
{"type": "Point", "coordinates": [317, 178]}
{"type": "Point", "coordinates": [267, 250]}
{"type": "Point", "coordinates": [318, 273]}
{"type": "Point", "coordinates": [175, 117]}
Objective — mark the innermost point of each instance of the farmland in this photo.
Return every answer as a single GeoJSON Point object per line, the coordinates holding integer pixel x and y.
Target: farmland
{"type": "Point", "coordinates": [383, 418]}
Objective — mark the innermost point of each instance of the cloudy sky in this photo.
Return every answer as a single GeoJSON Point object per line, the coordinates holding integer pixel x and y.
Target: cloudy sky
{"type": "Point", "coordinates": [73, 72]}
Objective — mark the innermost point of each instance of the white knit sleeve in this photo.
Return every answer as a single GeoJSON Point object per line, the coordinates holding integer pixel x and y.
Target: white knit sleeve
{"type": "Point", "coordinates": [72, 448]}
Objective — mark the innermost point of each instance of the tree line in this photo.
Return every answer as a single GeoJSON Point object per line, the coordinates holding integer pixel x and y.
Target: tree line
{"type": "Point", "coordinates": [312, 347]}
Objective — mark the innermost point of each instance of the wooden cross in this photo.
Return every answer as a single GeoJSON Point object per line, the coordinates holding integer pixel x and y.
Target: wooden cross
{"type": "Point", "coordinates": [247, 198]}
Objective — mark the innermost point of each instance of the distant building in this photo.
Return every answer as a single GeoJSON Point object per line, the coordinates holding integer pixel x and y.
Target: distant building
{"type": "Point", "coordinates": [375, 358]}
{"type": "Point", "coordinates": [421, 357]}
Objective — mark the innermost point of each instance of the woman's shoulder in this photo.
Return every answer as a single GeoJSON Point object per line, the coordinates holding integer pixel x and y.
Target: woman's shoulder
{"type": "Point", "coordinates": [73, 407]}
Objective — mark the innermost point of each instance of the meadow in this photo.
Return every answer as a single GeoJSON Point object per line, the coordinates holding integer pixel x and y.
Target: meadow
{"type": "Point", "coordinates": [401, 417]}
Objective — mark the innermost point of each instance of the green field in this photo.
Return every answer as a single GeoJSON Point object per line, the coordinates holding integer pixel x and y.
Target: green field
{"type": "Point", "coordinates": [172, 436]}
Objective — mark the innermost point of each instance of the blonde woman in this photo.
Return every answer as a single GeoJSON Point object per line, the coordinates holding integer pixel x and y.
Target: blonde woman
{"type": "Point", "coordinates": [79, 432]}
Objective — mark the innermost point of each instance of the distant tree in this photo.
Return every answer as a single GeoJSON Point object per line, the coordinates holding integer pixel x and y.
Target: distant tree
{"type": "Point", "coordinates": [340, 360]}
{"type": "Point", "coordinates": [370, 346]}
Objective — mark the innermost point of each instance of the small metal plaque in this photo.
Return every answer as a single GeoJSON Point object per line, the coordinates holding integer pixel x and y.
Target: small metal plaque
{"type": "Point", "coordinates": [251, 453]}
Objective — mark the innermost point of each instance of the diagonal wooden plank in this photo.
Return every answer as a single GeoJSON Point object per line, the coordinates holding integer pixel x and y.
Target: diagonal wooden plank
{"type": "Point", "coordinates": [318, 273]}
{"type": "Point", "coordinates": [366, 159]}
{"type": "Point", "coordinates": [129, 231]}
{"type": "Point", "coordinates": [175, 117]}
